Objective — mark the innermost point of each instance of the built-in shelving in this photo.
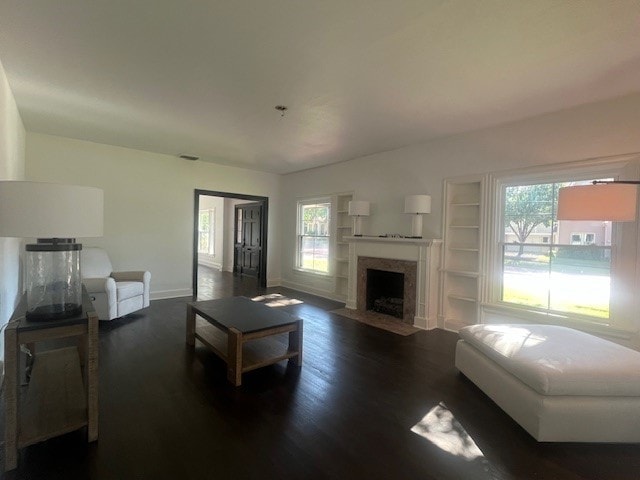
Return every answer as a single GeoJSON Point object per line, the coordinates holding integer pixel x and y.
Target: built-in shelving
{"type": "Point", "coordinates": [341, 256]}
{"type": "Point", "coordinates": [461, 272]}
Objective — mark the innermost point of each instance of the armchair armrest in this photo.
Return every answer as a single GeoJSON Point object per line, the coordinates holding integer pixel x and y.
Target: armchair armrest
{"type": "Point", "coordinates": [100, 285]}
{"type": "Point", "coordinates": [136, 276]}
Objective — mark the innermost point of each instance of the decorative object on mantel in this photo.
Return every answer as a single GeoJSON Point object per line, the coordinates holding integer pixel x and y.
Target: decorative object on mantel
{"type": "Point", "coordinates": [417, 205]}
{"type": "Point", "coordinates": [607, 200]}
{"type": "Point", "coordinates": [357, 210]}
{"type": "Point", "coordinates": [378, 320]}
{"type": "Point", "coordinates": [54, 214]}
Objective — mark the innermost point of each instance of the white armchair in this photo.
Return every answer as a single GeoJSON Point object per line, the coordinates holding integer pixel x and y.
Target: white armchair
{"type": "Point", "coordinates": [114, 294]}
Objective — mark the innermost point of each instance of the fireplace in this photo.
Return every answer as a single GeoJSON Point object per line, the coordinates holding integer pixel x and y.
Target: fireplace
{"type": "Point", "coordinates": [387, 286]}
{"type": "Point", "coordinates": [385, 292]}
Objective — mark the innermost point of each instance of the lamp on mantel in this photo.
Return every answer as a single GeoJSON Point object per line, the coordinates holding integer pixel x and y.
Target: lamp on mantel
{"type": "Point", "coordinates": [607, 200]}
{"type": "Point", "coordinates": [417, 205]}
{"type": "Point", "coordinates": [54, 214]}
{"type": "Point", "coordinates": [357, 210]}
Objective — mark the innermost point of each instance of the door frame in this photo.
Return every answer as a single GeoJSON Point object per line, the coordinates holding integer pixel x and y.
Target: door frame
{"type": "Point", "coordinates": [264, 229]}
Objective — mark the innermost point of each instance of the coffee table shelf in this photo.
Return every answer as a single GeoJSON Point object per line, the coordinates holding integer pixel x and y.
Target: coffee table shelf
{"type": "Point", "coordinates": [255, 354]}
{"type": "Point", "coordinates": [245, 334]}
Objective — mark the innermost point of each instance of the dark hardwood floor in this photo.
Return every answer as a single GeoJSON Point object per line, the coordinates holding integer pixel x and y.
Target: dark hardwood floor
{"type": "Point", "coordinates": [367, 404]}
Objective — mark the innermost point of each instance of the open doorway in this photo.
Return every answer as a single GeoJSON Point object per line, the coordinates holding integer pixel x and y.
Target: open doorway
{"type": "Point", "coordinates": [229, 235]}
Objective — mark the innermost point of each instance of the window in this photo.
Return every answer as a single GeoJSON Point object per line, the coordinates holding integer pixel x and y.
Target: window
{"type": "Point", "coordinates": [556, 266]}
{"type": "Point", "coordinates": [206, 231]}
{"type": "Point", "coordinates": [313, 235]}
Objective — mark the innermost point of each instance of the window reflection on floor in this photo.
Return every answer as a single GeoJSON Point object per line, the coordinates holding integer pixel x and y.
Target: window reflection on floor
{"type": "Point", "coordinates": [276, 300]}
{"type": "Point", "coordinates": [440, 427]}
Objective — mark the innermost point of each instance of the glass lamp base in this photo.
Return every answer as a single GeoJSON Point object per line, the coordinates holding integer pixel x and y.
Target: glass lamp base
{"type": "Point", "coordinates": [44, 313]}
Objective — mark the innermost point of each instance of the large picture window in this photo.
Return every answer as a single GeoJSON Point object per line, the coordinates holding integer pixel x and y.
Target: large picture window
{"type": "Point", "coordinates": [313, 235]}
{"type": "Point", "coordinates": [558, 266]}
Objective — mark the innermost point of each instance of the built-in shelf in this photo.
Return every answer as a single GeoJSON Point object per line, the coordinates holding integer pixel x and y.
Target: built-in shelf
{"type": "Point", "coordinates": [462, 280]}
{"type": "Point", "coordinates": [341, 252]}
{"type": "Point", "coordinates": [464, 248]}
{"type": "Point", "coordinates": [461, 273]}
{"type": "Point", "coordinates": [462, 297]}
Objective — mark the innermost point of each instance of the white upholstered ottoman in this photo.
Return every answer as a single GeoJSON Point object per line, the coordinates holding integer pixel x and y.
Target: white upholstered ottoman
{"type": "Point", "coordinates": [559, 384]}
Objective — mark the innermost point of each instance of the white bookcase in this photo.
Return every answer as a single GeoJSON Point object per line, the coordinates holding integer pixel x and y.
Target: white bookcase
{"type": "Point", "coordinates": [465, 206]}
{"type": "Point", "coordinates": [344, 228]}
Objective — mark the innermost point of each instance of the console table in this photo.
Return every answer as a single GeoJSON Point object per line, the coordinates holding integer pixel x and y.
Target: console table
{"type": "Point", "coordinates": [62, 393]}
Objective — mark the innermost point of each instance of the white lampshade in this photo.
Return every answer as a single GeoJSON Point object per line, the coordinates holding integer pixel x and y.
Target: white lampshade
{"type": "Point", "coordinates": [49, 210]}
{"type": "Point", "coordinates": [417, 204]}
{"type": "Point", "coordinates": [359, 207]}
{"type": "Point", "coordinates": [609, 201]}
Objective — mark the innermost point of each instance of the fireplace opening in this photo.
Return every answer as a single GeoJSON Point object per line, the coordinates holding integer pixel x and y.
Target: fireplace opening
{"type": "Point", "coordinates": [385, 292]}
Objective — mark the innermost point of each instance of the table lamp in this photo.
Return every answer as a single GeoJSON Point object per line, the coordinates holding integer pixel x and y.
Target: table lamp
{"type": "Point", "coordinates": [55, 215]}
{"type": "Point", "coordinates": [417, 205]}
{"type": "Point", "coordinates": [358, 209]}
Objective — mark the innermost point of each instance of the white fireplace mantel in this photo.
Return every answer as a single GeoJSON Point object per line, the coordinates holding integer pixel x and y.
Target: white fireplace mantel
{"type": "Point", "coordinates": [424, 251]}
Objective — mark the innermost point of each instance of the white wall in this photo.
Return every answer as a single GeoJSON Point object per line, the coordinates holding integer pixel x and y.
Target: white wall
{"type": "Point", "coordinates": [149, 202]}
{"type": "Point", "coordinates": [12, 148]}
{"type": "Point", "coordinates": [594, 130]}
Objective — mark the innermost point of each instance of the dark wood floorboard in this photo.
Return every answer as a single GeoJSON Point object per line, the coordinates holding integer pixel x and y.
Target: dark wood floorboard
{"type": "Point", "coordinates": [168, 412]}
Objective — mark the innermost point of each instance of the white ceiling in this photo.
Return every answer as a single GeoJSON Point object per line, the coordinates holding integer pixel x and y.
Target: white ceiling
{"type": "Point", "coordinates": [358, 76]}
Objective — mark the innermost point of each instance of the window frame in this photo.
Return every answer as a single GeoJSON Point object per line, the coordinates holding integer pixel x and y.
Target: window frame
{"type": "Point", "coordinates": [301, 203]}
{"type": "Point", "coordinates": [211, 250]}
{"type": "Point", "coordinates": [625, 269]}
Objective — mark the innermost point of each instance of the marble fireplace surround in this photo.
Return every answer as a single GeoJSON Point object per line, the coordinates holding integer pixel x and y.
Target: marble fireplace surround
{"type": "Point", "coordinates": [424, 253]}
{"type": "Point", "coordinates": [408, 268]}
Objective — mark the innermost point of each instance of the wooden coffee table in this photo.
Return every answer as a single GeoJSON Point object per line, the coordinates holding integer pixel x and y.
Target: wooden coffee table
{"type": "Point", "coordinates": [238, 330]}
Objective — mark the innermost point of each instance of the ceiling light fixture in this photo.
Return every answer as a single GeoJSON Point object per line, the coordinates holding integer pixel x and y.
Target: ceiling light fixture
{"type": "Point", "coordinates": [281, 109]}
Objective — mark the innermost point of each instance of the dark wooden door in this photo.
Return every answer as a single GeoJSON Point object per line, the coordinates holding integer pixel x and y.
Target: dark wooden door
{"type": "Point", "coordinates": [248, 236]}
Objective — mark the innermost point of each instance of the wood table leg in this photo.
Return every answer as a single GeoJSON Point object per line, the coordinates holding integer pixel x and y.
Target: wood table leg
{"type": "Point", "coordinates": [91, 367]}
{"type": "Point", "coordinates": [12, 359]}
{"type": "Point", "coordinates": [234, 357]}
{"type": "Point", "coordinates": [191, 326]}
{"type": "Point", "coordinates": [295, 344]}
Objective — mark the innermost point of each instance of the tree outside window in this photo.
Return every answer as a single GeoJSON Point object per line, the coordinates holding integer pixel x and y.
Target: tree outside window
{"type": "Point", "coordinates": [561, 266]}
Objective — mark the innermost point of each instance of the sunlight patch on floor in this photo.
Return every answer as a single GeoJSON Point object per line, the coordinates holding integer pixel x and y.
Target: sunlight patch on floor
{"type": "Point", "coordinates": [440, 427]}
{"type": "Point", "coordinates": [276, 300]}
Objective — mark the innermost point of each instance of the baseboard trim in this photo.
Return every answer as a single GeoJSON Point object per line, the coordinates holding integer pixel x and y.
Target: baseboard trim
{"type": "Point", "coordinates": [274, 282]}
{"type": "Point", "coordinates": [163, 294]}
{"type": "Point", "coordinates": [313, 291]}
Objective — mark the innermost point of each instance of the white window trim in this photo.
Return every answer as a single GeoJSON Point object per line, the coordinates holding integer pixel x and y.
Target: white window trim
{"type": "Point", "coordinates": [211, 251]}
{"type": "Point", "coordinates": [625, 269]}
{"type": "Point", "coordinates": [296, 260]}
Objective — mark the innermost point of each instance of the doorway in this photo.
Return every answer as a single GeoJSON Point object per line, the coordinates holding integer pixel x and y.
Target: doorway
{"type": "Point", "coordinates": [248, 241]}
{"type": "Point", "coordinates": [239, 244]}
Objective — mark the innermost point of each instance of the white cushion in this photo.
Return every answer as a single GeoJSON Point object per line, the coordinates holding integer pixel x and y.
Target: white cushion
{"type": "Point", "coordinates": [556, 360]}
{"type": "Point", "coordinates": [129, 289]}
